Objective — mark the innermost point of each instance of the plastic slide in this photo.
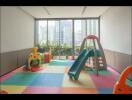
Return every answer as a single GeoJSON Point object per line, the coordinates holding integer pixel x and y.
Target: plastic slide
{"type": "Point", "coordinates": [79, 64]}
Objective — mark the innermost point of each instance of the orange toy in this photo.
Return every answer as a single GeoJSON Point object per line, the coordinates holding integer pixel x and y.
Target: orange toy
{"type": "Point", "coordinates": [121, 87]}
{"type": "Point", "coordinates": [3, 92]}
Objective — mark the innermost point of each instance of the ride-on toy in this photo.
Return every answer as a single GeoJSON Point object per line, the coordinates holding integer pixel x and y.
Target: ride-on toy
{"type": "Point", "coordinates": [121, 87]}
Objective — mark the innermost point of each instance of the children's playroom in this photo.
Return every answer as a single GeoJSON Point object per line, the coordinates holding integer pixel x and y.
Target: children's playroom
{"type": "Point", "coordinates": [65, 50]}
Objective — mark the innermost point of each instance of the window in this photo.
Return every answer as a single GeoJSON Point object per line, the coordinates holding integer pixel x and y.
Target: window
{"type": "Point", "coordinates": [62, 36]}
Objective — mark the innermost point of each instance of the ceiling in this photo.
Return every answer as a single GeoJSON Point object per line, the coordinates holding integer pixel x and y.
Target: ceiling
{"type": "Point", "coordinates": [64, 11]}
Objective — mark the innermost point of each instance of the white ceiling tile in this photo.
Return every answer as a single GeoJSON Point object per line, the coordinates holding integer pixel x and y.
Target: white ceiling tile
{"type": "Point", "coordinates": [95, 11]}
{"type": "Point", "coordinates": [36, 11]}
{"type": "Point", "coordinates": [64, 11]}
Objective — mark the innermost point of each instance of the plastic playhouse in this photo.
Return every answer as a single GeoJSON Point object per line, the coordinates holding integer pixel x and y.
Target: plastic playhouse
{"type": "Point", "coordinates": [97, 55]}
{"type": "Point", "coordinates": [35, 59]}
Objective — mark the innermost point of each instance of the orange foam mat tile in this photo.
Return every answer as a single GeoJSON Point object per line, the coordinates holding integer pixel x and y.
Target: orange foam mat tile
{"type": "Point", "coordinates": [78, 91]}
{"type": "Point", "coordinates": [66, 70]}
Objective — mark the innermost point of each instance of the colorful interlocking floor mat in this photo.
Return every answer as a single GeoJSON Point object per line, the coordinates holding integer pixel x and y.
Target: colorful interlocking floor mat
{"type": "Point", "coordinates": [53, 79]}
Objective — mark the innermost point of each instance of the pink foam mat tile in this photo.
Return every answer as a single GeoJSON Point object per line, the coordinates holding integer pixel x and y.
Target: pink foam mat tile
{"type": "Point", "coordinates": [102, 81]}
{"type": "Point", "coordinates": [115, 73]}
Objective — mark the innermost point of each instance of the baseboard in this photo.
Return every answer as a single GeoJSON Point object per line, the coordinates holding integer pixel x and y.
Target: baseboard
{"type": "Point", "coordinates": [118, 61]}
{"type": "Point", "coordinates": [12, 60]}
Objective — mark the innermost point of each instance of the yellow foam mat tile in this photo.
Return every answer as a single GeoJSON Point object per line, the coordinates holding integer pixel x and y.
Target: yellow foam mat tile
{"type": "Point", "coordinates": [84, 81]}
{"type": "Point", "coordinates": [43, 67]}
{"type": "Point", "coordinates": [53, 70]}
{"type": "Point", "coordinates": [51, 66]}
{"type": "Point", "coordinates": [13, 89]}
{"type": "Point", "coordinates": [67, 70]}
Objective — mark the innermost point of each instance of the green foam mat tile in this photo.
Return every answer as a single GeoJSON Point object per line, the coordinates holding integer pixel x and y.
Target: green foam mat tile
{"type": "Point", "coordinates": [24, 78]}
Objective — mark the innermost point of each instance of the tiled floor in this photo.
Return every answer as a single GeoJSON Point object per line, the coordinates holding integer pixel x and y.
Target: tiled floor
{"type": "Point", "coordinates": [53, 79]}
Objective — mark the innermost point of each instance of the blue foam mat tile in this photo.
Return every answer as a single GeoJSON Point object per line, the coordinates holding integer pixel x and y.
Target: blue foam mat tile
{"type": "Point", "coordinates": [48, 79]}
{"type": "Point", "coordinates": [105, 91]}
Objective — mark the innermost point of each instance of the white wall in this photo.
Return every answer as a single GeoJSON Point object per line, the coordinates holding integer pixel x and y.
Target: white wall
{"type": "Point", "coordinates": [0, 29]}
{"type": "Point", "coordinates": [116, 30]}
{"type": "Point", "coordinates": [17, 29]}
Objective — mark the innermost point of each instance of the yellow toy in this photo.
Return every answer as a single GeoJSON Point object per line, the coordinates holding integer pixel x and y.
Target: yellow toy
{"type": "Point", "coordinates": [34, 57]}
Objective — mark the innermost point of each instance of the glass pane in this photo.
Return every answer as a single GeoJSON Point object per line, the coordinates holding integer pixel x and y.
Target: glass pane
{"type": "Point", "coordinates": [42, 32]}
{"type": "Point", "coordinates": [79, 33]}
{"type": "Point", "coordinates": [53, 32]}
{"type": "Point", "coordinates": [88, 27]}
{"type": "Point", "coordinates": [53, 37]}
{"type": "Point", "coordinates": [92, 27]}
{"type": "Point", "coordinates": [66, 37]}
{"type": "Point", "coordinates": [66, 32]}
